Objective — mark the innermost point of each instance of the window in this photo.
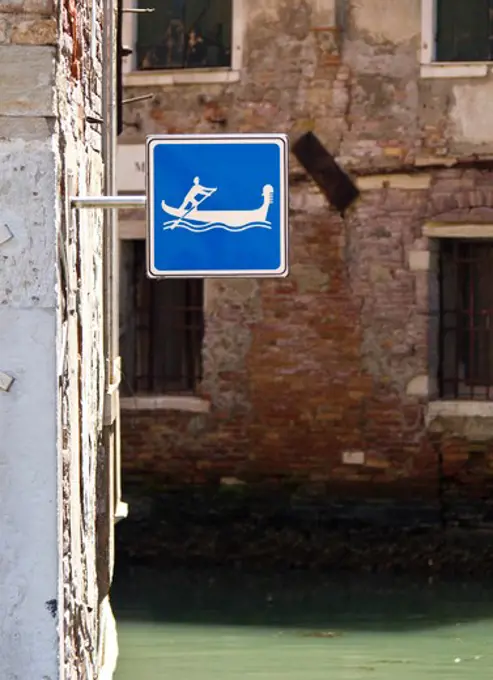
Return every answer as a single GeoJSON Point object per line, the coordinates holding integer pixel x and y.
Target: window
{"type": "Point", "coordinates": [183, 34]}
{"type": "Point", "coordinates": [162, 329]}
{"type": "Point", "coordinates": [456, 38]}
{"type": "Point", "coordinates": [464, 30]}
{"type": "Point", "coordinates": [466, 319]}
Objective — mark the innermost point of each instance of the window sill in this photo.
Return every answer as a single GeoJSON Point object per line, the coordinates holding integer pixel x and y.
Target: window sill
{"type": "Point", "coordinates": [457, 230]}
{"type": "Point", "coordinates": [181, 77]}
{"type": "Point", "coordinates": [469, 420]}
{"type": "Point", "coordinates": [165, 403]}
{"type": "Point", "coordinates": [455, 70]}
{"type": "Point", "coordinates": [458, 409]}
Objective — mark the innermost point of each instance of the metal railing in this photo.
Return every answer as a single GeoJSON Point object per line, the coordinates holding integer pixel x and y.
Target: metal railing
{"type": "Point", "coordinates": [466, 319]}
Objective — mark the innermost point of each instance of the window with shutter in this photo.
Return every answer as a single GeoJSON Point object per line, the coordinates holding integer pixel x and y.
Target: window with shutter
{"type": "Point", "coordinates": [464, 30]}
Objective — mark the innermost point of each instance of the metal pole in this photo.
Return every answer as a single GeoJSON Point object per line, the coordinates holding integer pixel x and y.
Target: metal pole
{"type": "Point", "coordinates": [108, 202]}
{"type": "Point", "coordinates": [141, 98]}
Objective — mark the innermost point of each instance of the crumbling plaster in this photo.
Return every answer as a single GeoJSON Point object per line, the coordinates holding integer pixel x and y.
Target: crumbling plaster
{"type": "Point", "coordinates": [338, 355]}
{"type": "Point", "coordinates": [28, 460]}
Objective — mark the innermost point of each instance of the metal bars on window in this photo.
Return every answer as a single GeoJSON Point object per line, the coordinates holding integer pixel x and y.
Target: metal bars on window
{"type": "Point", "coordinates": [466, 319]}
{"type": "Point", "coordinates": [162, 346]}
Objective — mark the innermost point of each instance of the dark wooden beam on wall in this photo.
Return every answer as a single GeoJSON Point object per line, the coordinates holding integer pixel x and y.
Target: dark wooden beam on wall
{"type": "Point", "coordinates": [337, 186]}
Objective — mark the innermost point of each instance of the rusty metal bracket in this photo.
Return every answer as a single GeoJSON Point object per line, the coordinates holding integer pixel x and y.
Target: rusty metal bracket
{"type": "Point", "coordinates": [6, 382]}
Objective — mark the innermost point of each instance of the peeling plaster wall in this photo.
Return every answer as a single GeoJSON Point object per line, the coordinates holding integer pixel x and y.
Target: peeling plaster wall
{"type": "Point", "coordinates": [300, 372]}
{"type": "Point", "coordinates": [356, 82]}
{"type": "Point", "coordinates": [51, 343]}
{"type": "Point", "coordinates": [28, 411]}
{"type": "Point", "coordinates": [382, 21]}
{"type": "Point", "coordinates": [469, 114]}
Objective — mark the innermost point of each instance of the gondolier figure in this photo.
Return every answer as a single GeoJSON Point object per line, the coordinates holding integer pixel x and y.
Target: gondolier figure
{"type": "Point", "coordinates": [195, 196]}
{"type": "Point", "coordinates": [189, 211]}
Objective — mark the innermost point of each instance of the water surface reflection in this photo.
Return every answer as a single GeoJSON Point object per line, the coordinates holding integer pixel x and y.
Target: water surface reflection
{"type": "Point", "coordinates": [186, 625]}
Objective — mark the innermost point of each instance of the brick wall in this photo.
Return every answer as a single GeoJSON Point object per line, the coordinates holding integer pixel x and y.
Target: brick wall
{"type": "Point", "coordinates": [301, 370]}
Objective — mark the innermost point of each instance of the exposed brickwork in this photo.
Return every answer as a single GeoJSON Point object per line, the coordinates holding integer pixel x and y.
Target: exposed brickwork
{"type": "Point", "coordinates": [52, 314]}
{"type": "Point", "coordinates": [301, 370]}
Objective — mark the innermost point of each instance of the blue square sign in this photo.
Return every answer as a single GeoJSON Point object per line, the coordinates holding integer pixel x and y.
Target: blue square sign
{"type": "Point", "coordinates": [217, 206]}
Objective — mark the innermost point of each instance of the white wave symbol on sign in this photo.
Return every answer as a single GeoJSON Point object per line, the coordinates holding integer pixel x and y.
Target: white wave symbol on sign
{"type": "Point", "coordinates": [189, 217]}
{"type": "Point", "coordinates": [195, 227]}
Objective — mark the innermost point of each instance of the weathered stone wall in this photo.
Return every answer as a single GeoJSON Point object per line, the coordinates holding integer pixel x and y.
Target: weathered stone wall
{"type": "Point", "coordinates": [28, 461]}
{"type": "Point", "coordinates": [301, 370]}
{"type": "Point", "coordinates": [51, 342]}
{"type": "Point", "coordinates": [337, 357]}
{"type": "Point", "coordinates": [79, 89]}
{"type": "Point", "coordinates": [350, 71]}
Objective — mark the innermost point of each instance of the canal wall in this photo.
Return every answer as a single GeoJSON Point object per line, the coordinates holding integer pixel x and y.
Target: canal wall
{"type": "Point", "coordinates": [264, 529]}
{"type": "Point", "coordinates": [329, 379]}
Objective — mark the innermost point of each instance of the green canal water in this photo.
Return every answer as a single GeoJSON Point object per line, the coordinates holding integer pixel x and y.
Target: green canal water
{"type": "Point", "coordinates": [213, 625]}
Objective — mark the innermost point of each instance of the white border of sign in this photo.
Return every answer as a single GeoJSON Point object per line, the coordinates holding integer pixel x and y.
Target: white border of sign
{"type": "Point", "coordinates": [283, 143]}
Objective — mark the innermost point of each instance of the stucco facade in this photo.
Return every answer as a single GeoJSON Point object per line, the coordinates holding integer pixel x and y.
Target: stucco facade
{"type": "Point", "coordinates": [328, 379]}
{"type": "Point", "coordinates": [52, 364]}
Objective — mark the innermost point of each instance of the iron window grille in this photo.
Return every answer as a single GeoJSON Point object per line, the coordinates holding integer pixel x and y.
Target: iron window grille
{"type": "Point", "coordinates": [162, 341]}
{"type": "Point", "coordinates": [466, 319]}
{"type": "Point", "coordinates": [183, 34]}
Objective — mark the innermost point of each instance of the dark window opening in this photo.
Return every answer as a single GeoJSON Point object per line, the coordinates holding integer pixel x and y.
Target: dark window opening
{"type": "Point", "coordinates": [162, 329]}
{"type": "Point", "coordinates": [184, 34]}
{"type": "Point", "coordinates": [464, 30]}
{"type": "Point", "coordinates": [466, 319]}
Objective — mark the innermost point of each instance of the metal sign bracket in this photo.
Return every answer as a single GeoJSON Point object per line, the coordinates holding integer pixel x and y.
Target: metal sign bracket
{"type": "Point", "coordinates": [108, 202]}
